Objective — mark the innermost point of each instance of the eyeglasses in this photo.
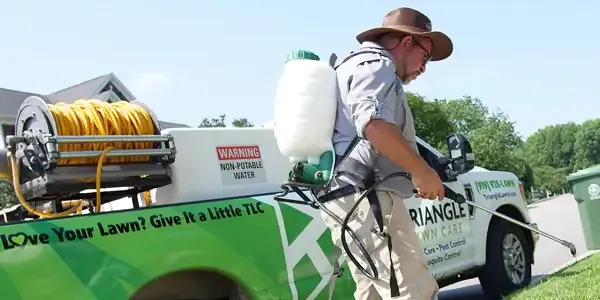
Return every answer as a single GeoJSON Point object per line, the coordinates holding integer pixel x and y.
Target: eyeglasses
{"type": "Point", "coordinates": [427, 55]}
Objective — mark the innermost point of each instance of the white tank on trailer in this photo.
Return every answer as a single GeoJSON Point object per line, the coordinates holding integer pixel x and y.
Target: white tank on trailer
{"type": "Point", "coordinates": [223, 162]}
{"type": "Point", "coordinates": [305, 107]}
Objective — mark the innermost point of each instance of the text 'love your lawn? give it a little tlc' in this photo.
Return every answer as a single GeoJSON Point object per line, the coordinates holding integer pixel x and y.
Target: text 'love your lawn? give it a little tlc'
{"type": "Point", "coordinates": [60, 234]}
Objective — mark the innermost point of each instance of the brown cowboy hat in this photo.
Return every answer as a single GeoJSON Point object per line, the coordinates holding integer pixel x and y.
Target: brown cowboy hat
{"type": "Point", "coordinates": [411, 22]}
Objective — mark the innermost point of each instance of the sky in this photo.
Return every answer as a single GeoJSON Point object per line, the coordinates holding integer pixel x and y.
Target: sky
{"type": "Point", "coordinates": [537, 63]}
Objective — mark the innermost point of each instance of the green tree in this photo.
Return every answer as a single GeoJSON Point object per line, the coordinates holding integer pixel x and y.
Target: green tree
{"type": "Point", "coordinates": [552, 146]}
{"type": "Point", "coordinates": [524, 170]}
{"type": "Point", "coordinates": [496, 145]}
{"type": "Point", "coordinates": [551, 179]}
{"type": "Point", "coordinates": [243, 122]}
{"type": "Point", "coordinates": [492, 135]}
{"type": "Point", "coordinates": [495, 142]}
{"type": "Point", "coordinates": [534, 148]}
{"type": "Point", "coordinates": [562, 150]}
{"type": "Point", "coordinates": [220, 122]}
{"type": "Point", "coordinates": [214, 122]}
{"type": "Point", "coordinates": [431, 122]}
{"type": "Point", "coordinates": [587, 145]}
{"type": "Point", "coordinates": [466, 114]}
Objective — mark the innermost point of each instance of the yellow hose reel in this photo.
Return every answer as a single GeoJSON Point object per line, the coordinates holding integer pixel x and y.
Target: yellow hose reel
{"type": "Point", "coordinates": [60, 150]}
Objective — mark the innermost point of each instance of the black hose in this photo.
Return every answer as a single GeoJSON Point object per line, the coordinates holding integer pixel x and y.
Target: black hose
{"type": "Point", "coordinates": [345, 227]}
{"type": "Point", "coordinates": [359, 244]}
{"type": "Point", "coordinates": [450, 194]}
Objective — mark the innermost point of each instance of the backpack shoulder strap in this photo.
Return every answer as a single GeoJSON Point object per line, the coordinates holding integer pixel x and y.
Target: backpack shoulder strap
{"type": "Point", "coordinates": [372, 50]}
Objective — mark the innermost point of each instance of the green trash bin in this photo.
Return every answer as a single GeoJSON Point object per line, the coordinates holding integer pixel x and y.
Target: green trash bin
{"type": "Point", "coordinates": [586, 190]}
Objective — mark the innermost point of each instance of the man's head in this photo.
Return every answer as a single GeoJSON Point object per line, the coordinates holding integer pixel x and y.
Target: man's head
{"type": "Point", "coordinates": [406, 34]}
{"type": "Point", "coordinates": [410, 53]}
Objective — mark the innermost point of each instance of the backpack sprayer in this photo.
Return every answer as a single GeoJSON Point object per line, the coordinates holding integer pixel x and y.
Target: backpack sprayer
{"type": "Point", "coordinates": [305, 114]}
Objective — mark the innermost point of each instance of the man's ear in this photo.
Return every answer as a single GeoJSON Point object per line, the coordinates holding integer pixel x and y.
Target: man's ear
{"type": "Point", "coordinates": [406, 40]}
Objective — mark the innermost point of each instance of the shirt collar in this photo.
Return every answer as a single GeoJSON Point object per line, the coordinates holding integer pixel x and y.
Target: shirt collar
{"type": "Point", "coordinates": [377, 46]}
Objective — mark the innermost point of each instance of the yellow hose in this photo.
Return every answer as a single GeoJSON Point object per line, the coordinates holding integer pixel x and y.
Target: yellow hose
{"type": "Point", "coordinates": [147, 198]}
{"type": "Point", "coordinates": [94, 117]}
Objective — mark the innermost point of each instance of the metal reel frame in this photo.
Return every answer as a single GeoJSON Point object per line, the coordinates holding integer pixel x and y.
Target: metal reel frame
{"type": "Point", "coordinates": [35, 146]}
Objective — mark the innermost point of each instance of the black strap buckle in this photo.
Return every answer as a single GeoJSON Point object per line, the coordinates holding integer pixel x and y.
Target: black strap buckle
{"type": "Point", "coordinates": [339, 273]}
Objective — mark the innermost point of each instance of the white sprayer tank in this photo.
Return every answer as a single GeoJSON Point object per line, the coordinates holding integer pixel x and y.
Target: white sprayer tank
{"type": "Point", "coordinates": [305, 107]}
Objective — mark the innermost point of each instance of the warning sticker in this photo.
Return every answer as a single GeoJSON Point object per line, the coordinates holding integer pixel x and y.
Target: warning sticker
{"type": "Point", "coordinates": [241, 164]}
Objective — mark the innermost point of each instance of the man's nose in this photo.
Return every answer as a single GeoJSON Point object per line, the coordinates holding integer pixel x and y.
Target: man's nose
{"type": "Point", "coordinates": [422, 68]}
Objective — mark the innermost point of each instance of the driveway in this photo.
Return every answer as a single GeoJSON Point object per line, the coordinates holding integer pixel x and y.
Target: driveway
{"type": "Point", "coordinates": [558, 216]}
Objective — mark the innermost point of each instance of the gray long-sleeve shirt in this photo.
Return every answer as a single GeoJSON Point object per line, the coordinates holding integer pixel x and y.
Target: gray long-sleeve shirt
{"type": "Point", "coordinates": [369, 89]}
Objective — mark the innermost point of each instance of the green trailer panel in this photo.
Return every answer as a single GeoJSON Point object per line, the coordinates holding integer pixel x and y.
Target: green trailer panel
{"type": "Point", "coordinates": [112, 255]}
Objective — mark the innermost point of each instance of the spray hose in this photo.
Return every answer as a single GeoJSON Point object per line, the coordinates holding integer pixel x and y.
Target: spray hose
{"type": "Point", "coordinates": [93, 118]}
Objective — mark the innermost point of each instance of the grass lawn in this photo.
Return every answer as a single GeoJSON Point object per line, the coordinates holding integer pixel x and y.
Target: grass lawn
{"type": "Point", "coordinates": [578, 282]}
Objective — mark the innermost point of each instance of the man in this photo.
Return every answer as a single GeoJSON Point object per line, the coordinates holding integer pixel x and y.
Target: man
{"type": "Point", "coordinates": [372, 105]}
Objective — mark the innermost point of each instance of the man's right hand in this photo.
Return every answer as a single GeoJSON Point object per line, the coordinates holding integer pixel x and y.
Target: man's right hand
{"type": "Point", "coordinates": [389, 141]}
{"type": "Point", "coordinates": [428, 184]}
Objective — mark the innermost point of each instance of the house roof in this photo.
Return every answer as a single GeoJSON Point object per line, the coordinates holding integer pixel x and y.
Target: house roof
{"type": "Point", "coordinates": [165, 125]}
{"type": "Point", "coordinates": [102, 96]}
{"type": "Point", "coordinates": [11, 100]}
{"type": "Point", "coordinates": [83, 90]}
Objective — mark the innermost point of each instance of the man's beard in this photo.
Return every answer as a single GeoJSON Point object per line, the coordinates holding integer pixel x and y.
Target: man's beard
{"type": "Point", "coordinates": [408, 78]}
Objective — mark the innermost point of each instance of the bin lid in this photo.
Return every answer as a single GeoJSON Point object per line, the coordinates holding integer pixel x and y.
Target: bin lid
{"type": "Point", "coordinates": [591, 171]}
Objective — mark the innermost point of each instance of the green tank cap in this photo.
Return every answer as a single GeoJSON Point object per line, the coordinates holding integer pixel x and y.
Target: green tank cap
{"type": "Point", "coordinates": [302, 54]}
